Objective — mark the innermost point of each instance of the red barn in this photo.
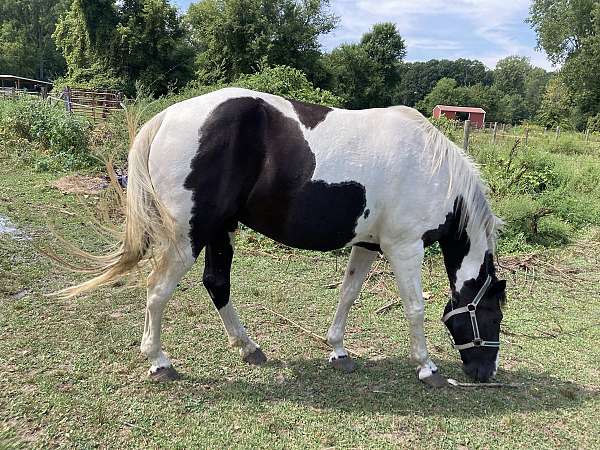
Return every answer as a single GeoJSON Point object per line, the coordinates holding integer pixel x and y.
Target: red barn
{"type": "Point", "coordinates": [475, 115]}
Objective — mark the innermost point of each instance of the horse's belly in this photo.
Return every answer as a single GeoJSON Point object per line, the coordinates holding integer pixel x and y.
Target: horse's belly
{"type": "Point", "coordinates": [319, 216]}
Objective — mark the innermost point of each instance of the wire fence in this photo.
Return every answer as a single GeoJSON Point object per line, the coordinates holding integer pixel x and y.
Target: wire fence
{"type": "Point", "coordinates": [496, 133]}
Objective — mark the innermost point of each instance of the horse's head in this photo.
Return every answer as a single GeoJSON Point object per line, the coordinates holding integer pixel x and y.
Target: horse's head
{"type": "Point", "coordinates": [473, 318]}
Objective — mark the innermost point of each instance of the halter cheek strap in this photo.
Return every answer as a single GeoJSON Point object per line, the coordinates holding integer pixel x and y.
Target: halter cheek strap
{"type": "Point", "coordinates": [471, 308]}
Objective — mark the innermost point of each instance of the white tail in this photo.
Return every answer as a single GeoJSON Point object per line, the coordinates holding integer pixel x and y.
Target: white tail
{"type": "Point", "coordinates": [148, 226]}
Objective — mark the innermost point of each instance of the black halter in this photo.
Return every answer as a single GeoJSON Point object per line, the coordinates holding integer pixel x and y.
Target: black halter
{"type": "Point", "coordinates": [471, 308]}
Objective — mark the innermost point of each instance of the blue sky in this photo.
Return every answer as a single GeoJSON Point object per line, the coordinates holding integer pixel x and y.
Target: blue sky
{"type": "Point", "coordinates": [487, 30]}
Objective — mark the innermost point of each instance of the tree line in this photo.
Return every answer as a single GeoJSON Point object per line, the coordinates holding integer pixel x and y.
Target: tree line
{"type": "Point", "coordinates": [127, 44]}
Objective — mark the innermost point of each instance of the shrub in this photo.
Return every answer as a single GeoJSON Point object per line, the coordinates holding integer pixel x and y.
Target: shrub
{"type": "Point", "coordinates": [593, 123]}
{"type": "Point", "coordinates": [530, 222]}
{"type": "Point", "coordinates": [56, 139]}
{"type": "Point", "coordinates": [448, 127]}
{"type": "Point", "coordinates": [287, 82]}
{"type": "Point", "coordinates": [98, 76]}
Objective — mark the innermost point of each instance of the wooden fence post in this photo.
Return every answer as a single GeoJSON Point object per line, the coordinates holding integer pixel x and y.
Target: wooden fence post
{"type": "Point", "coordinates": [545, 131]}
{"type": "Point", "coordinates": [495, 132]}
{"type": "Point", "coordinates": [587, 135]}
{"type": "Point", "coordinates": [526, 135]}
{"type": "Point", "coordinates": [467, 132]}
{"type": "Point", "coordinates": [557, 132]}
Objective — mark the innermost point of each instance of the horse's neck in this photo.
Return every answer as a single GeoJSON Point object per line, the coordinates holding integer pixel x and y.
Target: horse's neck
{"type": "Point", "coordinates": [467, 257]}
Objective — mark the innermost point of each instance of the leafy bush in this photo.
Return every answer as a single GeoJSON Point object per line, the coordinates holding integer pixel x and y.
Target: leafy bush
{"type": "Point", "coordinates": [520, 172]}
{"type": "Point", "coordinates": [530, 222]}
{"type": "Point", "coordinates": [544, 197]}
{"type": "Point", "coordinates": [593, 123]}
{"type": "Point", "coordinates": [287, 82]}
{"type": "Point", "coordinates": [448, 127]}
{"type": "Point", "coordinates": [98, 76]}
{"type": "Point", "coordinates": [46, 134]}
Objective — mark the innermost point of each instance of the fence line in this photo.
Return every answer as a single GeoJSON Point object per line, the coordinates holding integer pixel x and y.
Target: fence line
{"type": "Point", "coordinates": [94, 104]}
{"type": "Point", "coordinates": [498, 133]}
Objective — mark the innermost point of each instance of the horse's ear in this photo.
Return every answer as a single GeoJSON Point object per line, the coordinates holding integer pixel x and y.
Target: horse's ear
{"type": "Point", "coordinates": [498, 288]}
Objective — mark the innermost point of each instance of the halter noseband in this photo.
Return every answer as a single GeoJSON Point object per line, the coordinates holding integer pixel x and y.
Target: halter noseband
{"type": "Point", "coordinates": [471, 308]}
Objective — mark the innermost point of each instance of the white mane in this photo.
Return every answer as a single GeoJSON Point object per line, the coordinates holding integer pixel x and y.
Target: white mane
{"type": "Point", "coordinates": [464, 181]}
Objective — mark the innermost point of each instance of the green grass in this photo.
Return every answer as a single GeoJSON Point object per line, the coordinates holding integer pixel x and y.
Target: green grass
{"type": "Point", "coordinates": [72, 374]}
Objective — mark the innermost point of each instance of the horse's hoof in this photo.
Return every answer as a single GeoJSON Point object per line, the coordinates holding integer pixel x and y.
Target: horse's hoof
{"type": "Point", "coordinates": [164, 374]}
{"type": "Point", "coordinates": [343, 363]}
{"type": "Point", "coordinates": [435, 380]}
{"type": "Point", "coordinates": [256, 358]}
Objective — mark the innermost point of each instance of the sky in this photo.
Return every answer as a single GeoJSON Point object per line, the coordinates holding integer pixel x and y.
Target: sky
{"type": "Point", "coordinates": [487, 30]}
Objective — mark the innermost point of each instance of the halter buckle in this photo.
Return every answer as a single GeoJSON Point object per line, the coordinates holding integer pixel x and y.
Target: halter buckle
{"type": "Point", "coordinates": [471, 307]}
{"type": "Point", "coordinates": [477, 342]}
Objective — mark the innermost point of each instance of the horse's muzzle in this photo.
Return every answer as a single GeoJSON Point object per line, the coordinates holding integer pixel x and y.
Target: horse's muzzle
{"type": "Point", "coordinates": [481, 372]}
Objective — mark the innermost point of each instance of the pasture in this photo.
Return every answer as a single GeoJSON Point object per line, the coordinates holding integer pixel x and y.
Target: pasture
{"type": "Point", "coordinates": [72, 374]}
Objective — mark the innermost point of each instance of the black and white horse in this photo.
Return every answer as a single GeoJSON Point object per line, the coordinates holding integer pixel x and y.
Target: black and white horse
{"type": "Point", "coordinates": [315, 178]}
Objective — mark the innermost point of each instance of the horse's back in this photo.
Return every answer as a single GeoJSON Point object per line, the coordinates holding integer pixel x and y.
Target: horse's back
{"type": "Point", "coordinates": [308, 176]}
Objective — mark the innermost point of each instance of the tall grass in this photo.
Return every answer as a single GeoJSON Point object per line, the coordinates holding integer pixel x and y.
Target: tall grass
{"type": "Point", "coordinates": [547, 191]}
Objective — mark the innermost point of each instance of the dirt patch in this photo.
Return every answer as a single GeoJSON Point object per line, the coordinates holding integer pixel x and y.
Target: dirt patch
{"type": "Point", "coordinates": [81, 184]}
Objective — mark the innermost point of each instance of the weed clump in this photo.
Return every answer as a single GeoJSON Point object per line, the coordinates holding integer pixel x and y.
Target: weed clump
{"type": "Point", "coordinates": [45, 136]}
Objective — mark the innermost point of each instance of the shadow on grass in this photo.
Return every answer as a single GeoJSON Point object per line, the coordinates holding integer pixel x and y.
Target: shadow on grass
{"type": "Point", "coordinates": [388, 385]}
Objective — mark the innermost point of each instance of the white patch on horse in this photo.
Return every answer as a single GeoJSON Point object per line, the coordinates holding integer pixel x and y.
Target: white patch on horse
{"type": "Point", "coordinates": [238, 338]}
{"type": "Point", "coordinates": [356, 272]}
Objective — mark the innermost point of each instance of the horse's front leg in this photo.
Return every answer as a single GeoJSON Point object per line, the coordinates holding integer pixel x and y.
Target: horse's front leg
{"type": "Point", "coordinates": [356, 272]}
{"type": "Point", "coordinates": [406, 261]}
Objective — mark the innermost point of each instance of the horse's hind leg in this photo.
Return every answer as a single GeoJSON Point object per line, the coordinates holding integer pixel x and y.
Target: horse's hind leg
{"type": "Point", "coordinates": [171, 267]}
{"type": "Point", "coordinates": [216, 279]}
{"type": "Point", "coordinates": [356, 272]}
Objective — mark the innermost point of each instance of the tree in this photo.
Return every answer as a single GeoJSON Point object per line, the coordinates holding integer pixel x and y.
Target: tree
{"type": "Point", "coordinates": [26, 28]}
{"type": "Point", "coordinates": [535, 86]}
{"type": "Point", "coordinates": [366, 74]}
{"type": "Point", "coordinates": [511, 74]}
{"type": "Point", "coordinates": [78, 40]}
{"type": "Point", "coordinates": [114, 45]}
{"type": "Point", "coordinates": [354, 76]}
{"type": "Point", "coordinates": [419, 78]}
{"type": "Point", "coordinates": [151, 47]}
{"type": "Point", "coordinates": [234, 37]}
{"type": "Point", "coordinates": [569, 32]}
{"type": "Point", "coordinates": [445, 92]}
{"type": "Point", "coordinates": [386, 48]}
{"type": "Point", "coordinates": [562, 25]}
{"type": "Point", "coordinates": [556, 104]}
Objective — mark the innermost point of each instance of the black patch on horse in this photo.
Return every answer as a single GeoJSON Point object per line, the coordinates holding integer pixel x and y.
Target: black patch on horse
{"type": "Point", "coordinates": [310, 115]}
{"type": "Point", "coordinates": [254, 166]}
{"type": "Point", "coordinates": [453, 240]}
{"type": "Point", "coordinates": [369, 246]}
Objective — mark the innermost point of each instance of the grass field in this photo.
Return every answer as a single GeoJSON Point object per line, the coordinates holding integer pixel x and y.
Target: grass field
{"type": "Point", "coordinates": [72, 374]}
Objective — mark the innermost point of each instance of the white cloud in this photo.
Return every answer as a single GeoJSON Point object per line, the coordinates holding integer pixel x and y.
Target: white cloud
{"type": "Point", "coordinates": [497, 25]}
{"type": "Point", "coordinates": [433, 44]}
